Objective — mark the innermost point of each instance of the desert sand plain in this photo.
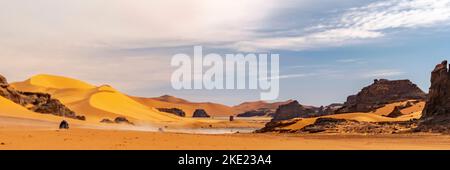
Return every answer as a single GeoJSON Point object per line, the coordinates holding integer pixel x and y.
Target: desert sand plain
{"type": "Point", "coordinates": [21, 128]}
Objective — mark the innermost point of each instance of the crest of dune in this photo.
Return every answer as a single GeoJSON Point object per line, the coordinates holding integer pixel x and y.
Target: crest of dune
{"type": "Point", "coordinates": [96, 103]}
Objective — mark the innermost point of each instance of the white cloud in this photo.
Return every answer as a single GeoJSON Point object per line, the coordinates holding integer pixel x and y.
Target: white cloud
{"type": "Point", "coordinates": [356, 24]}
{"type": "Point", "coordinates": [75, 37]}
{"type": "Point", "coordinates": [383, 73]}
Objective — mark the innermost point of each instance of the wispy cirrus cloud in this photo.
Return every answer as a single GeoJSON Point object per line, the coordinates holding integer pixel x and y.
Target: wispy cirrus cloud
{"type": "Point", "coordinates": [356, 24]}
{"type": "Point", "coordinates": [384, 73]}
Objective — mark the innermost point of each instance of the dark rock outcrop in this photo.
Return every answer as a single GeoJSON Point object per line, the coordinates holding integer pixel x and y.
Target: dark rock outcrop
{"type": "Point", "coordinates": [174, 111]}
{"type": "Point", "coordinates": [106, 121]}
{"type": "Point", "coordinates": [258, 112]}
{"type": "Point", "coordinates": [395, 113]}
{"type": "Point", "coordinates": [342, 126]}
{"type": "Point", "coordinates": [436, 114]}
{"type": "Point", "coordinates": [122, 120]}
{"type": "Point", "coordinates": [292, 110]}
{"type": "Point", "coordinates": [64, 125]}
{"type": "Point", "coordinates": [37, 102]}
{"type": "Point", "coordinates": [3, 80]}
{"type": "Point", "coordinates": [438, 103]}
{"type": "Point", "coordinates": [200, 113]}
{"type": "Point", "coordinates": [380, 93]}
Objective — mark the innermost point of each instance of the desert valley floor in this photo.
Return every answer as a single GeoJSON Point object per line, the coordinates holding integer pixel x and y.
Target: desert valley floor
{"type": "Point", "coordinates": [103, 118]}
{"type": "Point", "coordinates": [31, 134]}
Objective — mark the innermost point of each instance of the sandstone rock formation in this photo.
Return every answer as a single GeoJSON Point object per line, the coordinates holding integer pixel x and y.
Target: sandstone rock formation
{"type": "Point", "coordinates": [174, 111]}
{"type": "Point", "coordinates": [3, 81]}
{"type": "Point", "coordinates": [37, 102]}
{"type": "Point", "coordinates": [291, 110]}
{"type": "Point", "coordinates": [380, 93]}
{"type": "Point", "coordinates": [200, 113]}
{"type": "Point", "coordinates": [437, 107]}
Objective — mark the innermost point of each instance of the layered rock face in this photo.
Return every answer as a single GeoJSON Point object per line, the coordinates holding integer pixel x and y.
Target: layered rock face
{"type": "Point", "coordinates": [292, 110]}
{"type": "Point", "coordinates": [437, 108]}
{"type": "Point", "coordinates": [380, 93]}
{"type": "Point", "coordinates": [37, 102]}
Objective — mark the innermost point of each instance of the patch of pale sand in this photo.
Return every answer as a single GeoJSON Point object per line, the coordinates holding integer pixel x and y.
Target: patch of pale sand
{"type": "Point", "coordinates": [86, 139]}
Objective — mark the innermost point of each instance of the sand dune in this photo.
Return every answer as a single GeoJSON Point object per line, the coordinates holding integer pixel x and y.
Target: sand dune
{"type": "Point", "coordinates": [95, 102]}
{"type": "Point", "coordinates": [188, 107]}
{"type": "Point", "coordinates": [98, 103]}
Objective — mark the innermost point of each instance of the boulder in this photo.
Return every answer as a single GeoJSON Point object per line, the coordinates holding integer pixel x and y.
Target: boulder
{"type": "Point", "coordinates": [200, 113]}
{"type": "Point", "coordinates": [64, 125]}
{"type": "Point", "coordinates": [122, 120]}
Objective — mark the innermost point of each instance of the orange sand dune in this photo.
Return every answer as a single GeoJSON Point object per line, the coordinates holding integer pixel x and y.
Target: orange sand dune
{"type": "Point", "coordinates": [97, 103]}
{"type": "Point", "coordinates": [418, 107]}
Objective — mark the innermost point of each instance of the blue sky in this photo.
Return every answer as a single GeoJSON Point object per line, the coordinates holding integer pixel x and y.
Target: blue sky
{"type": "Point", "coordinates": [329, 49]}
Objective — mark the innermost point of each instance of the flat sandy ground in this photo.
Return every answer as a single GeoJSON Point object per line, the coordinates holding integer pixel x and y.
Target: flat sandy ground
{"type": "Point", "coordinates": [96, 139]}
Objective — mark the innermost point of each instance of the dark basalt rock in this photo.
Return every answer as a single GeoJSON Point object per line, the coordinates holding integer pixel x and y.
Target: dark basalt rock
{"type": "Point", "coordinates": [64, 125]}
{"type": "Point", "coordinates": [122, 120]}
{"type": "Point", "coordinates": [174, 111]}
{"type": "Point", "coordinates": [200, 113]}
{"type": "Point", "coordinates": [380, 93]}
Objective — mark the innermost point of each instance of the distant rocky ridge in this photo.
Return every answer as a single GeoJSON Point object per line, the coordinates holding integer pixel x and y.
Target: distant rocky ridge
{"type": "Point", "coordinates": [292, 110]}
{"type": "Point", "coordinates": [37, 102]}
{"type": "Point", "coordinates": [258, 113]}
{"type": "Point", "coordinates": [380, 93]}
{"type": "Point", "coordinates": [174, 111]}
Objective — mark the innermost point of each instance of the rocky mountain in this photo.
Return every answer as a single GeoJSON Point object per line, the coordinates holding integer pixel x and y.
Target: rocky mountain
{"type": "Point", "coordinates": [437, 107]}
{"type": "Point", "coordinates": [380, 93]}
{"type": "Point", "coordinates": [37, 102]}
{"type": "Point", "coordinates": [292, 110]}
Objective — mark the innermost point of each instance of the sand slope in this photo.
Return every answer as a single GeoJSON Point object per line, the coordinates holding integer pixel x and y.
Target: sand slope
{"type": "Point", "coordinates": [96, 103]}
